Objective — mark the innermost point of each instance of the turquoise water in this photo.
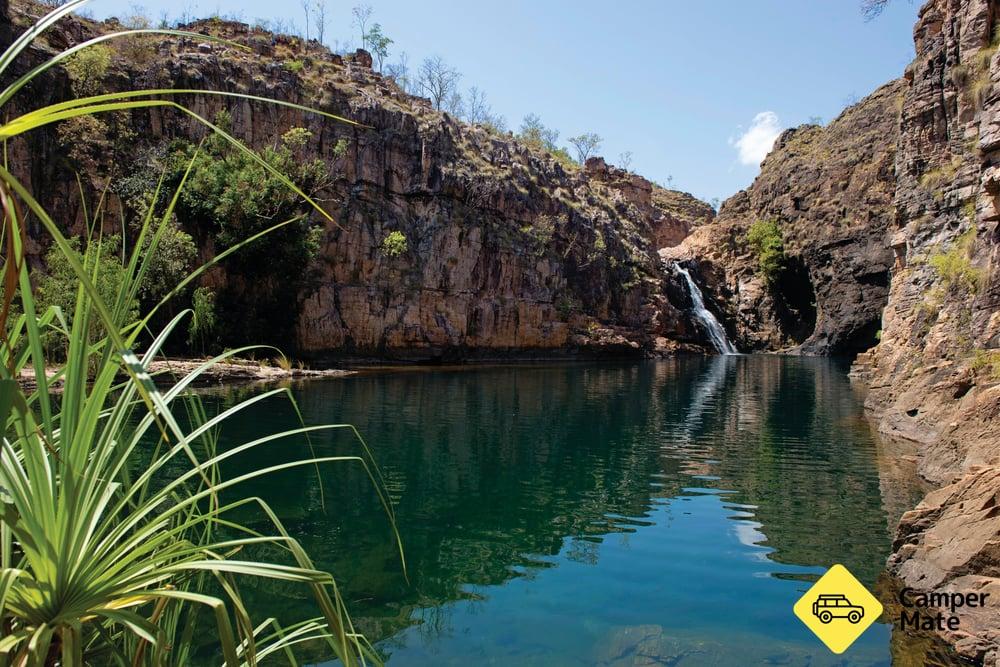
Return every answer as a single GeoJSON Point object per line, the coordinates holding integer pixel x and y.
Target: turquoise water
{"type": "Point", "coordinates": [656, 513]}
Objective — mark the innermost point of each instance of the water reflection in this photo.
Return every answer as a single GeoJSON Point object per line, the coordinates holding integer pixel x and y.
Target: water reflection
{"type": "Point", "coordinates": [594, 514]}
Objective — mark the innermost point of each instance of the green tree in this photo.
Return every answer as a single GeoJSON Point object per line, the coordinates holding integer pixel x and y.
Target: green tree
{"type": "Point", "coordinates": [230, 197]}
{"type": "Point", "coordinates": [379, 44]}
{"type": "Point", "coordinates": [586, 145]}
{"type": "Point", "coordinates": [534, 133]}
{"type": "Point", "coordinates": [203, 323]}
{"type": "Point", "coordinates": [59, 286]}
{"type": "Point", "coordinates": [537, 136]}
{"type": "Point", "coordinates": [174, 258]}
{"type": "Point", "coordinates": [171, 262]}
{"type": "Point", "coordinates": [88, 140]}
{"type": "Point", "coordinates": [87, 69]}
{"type": "Point", "coordinates": [764, 237]}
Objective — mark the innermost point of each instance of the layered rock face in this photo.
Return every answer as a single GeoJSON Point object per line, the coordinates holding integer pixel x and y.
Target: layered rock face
{"type": "Point", "coordinates": [934, 378]}
{"type": "Point", "coordinates": [830, 190]}
{"type": "Point", "coordinates": [508, 251]}
{"type": "Point", "coordinates": [677, 214]}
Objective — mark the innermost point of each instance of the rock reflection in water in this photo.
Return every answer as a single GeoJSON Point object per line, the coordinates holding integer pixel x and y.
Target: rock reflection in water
{"type": "Point", "coordinates": [577, 514]}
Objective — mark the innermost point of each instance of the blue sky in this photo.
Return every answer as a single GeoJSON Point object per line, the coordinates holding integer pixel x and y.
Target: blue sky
{"type": "Point", "coordinates": [678, 83]}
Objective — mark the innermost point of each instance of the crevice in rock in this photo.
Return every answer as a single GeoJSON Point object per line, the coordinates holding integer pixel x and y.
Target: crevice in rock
{"type": "Point", "coordinates": [877, 279]}
{"type": "Point", "coordinates": [795, 300]}
{"type": "Point", "coordinates": [860, 340]}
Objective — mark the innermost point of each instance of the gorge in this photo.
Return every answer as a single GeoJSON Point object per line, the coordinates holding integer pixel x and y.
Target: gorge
{"type": "Point", "coordinates": [453, 242]}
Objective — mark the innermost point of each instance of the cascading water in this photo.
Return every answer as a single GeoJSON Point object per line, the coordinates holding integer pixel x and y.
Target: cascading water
{"type": "Point", "coordinates": [705, 316]}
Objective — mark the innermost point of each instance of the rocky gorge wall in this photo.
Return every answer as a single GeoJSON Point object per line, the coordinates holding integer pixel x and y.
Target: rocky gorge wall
{"type": "Point", "coordinates": [830, 190]}
{"type": "Point", "coordinates": [933, 378]}
{"type": "Point", "coordinates": [508, 250]}
{"type": "Point", "coordinates": [889, 218]}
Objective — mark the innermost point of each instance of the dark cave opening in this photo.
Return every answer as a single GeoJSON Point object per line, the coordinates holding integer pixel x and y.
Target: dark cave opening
{"type": "Point", "coordinates": [795, 299]}
{"type": "Point", "coordinates": [860, 340]}
{"type": "Point", "coordinates": [866, 335]}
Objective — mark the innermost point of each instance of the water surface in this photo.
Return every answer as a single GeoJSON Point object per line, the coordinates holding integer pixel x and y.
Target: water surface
{"type": "Point", "coordinates": [657, 513]}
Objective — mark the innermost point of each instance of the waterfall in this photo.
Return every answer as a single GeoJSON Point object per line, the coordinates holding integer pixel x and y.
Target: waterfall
{"type": "Point", "coordinates": [705, 316]}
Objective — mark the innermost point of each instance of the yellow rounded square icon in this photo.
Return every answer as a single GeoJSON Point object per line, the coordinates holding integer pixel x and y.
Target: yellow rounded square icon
{"type": "Point", "coordinates": [838, 609]}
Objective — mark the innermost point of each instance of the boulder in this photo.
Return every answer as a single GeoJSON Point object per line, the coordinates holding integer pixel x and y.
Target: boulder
{"type": "Point", "coordinates": [363, 59]}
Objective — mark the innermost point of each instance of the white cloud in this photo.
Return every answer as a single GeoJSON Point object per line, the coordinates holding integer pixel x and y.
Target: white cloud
{"type": "Point", "coordinates": [754, 144]}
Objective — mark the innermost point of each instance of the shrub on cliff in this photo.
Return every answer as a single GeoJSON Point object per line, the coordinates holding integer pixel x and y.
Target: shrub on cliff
{"type": "Point", "coordinates": [235, 196]}
{"type": "Point", "coordinates": [937, 179]}
{"type": "Point", "coordinates": [972, 75]}
{"type": "Point", "coordinates": [229, 196]}
{"type": "Point", "coordinates": [88, 139]}
{"type": "Point", "coordinates": [540, 234]}
{"type": "Point", "coordinates": [536, 136]}
{"type": "Point", "coordinates": [394, 244]}
{"type": "Point", "coordinates": [986, 362]}
{"type": "Point", "coordinates": [137, 48]}
{"type": "Point", "coordinates": [954, 266]}
{"type": "Point", "coordinates": [88, 68]}
{"type": "Point", "coordinates": [764, 238]}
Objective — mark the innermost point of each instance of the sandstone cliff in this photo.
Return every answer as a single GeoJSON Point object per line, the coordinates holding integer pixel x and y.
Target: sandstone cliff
{"type": "Point", "coordinates": [949, 544]}
{"type": "Point", "coordinates": [889, 218]}
{"type": "Point", "coordinates": [934, 375]}
{"type": "Point", "coordinates": [508, 250]}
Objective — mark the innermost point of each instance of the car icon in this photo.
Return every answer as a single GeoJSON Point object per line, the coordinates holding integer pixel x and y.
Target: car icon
{"type": "Point", "coordinates": [828, 607]}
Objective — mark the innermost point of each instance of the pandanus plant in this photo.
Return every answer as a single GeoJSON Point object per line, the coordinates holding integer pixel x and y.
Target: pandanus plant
{"type": "Point", "coordinates": [103, 561]}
